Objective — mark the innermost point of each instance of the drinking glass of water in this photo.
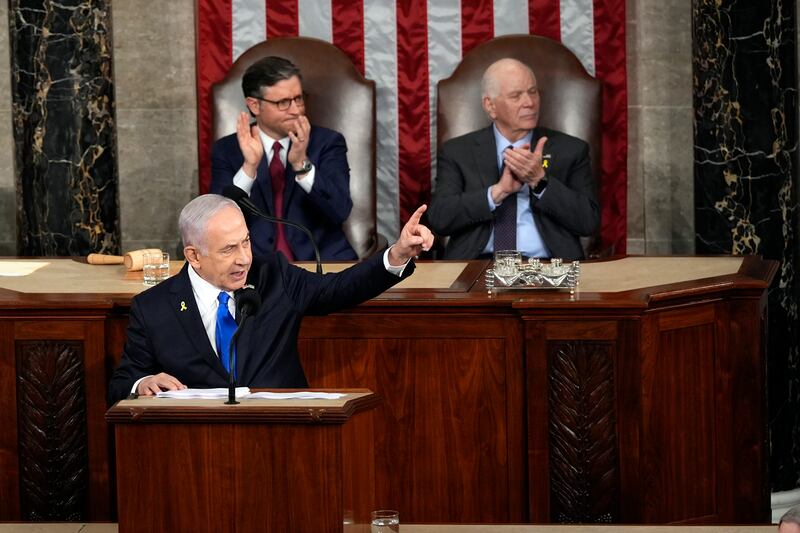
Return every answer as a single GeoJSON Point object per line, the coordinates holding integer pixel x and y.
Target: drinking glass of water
{"type": "Point", "coordinates": [156, 267]}
{"type": "Point", "coordinates": [385, 521]}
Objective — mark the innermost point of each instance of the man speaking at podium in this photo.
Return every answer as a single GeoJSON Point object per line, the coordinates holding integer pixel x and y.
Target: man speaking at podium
{"type": "Point", "coordinates": [175, 336]}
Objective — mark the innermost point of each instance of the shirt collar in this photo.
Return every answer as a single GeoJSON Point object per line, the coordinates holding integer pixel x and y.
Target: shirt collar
{"type": "Point", "coordinates": [203, 290]}
{"type": "Point", "coordinates": [502, 143]}
{"type": "Point", "coordinates": [268, 141]}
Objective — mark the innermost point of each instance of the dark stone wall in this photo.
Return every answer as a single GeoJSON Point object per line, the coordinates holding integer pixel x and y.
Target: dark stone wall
{"type": "Point", "coordinates": [745, 171]}
{"type": "Point", "coordinates": [64, 127]}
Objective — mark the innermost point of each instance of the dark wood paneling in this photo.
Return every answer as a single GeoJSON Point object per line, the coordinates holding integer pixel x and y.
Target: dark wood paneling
{"type": "Point", "coordinates": [746, 429]}
{"type": "Point", "coordinates": [358, 458]}
{"type": "Point", "coordinates": [101, 455]}
{"type": "Point", "coordinates": [629, 416]}
{"type": "Point", "coordinates": [57, 377]}
{"type": "Point", "coordinates": [537, 422]}
{"type": "Point", "coordinates": [9, 454]}
{"type": "Point", "coordinates": [584, 476]}
{"type": "Point", "coordinates": [679, 423]}
{"type": "Point", "coordinates": [51, 411]}
{"type": "Point", "coordinates": [444, 424]}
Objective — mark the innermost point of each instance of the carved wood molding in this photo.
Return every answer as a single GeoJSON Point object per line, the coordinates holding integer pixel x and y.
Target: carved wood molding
{"type": "Point", "coordinates": [51, 414]}
{"type": "Point", "coordinates": [584, 476]}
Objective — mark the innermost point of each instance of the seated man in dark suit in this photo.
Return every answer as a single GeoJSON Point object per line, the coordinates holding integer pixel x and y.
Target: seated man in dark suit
{"type": "Point", "coordinates": [180, 330]}
{"type": "Point", "coordinates": [290, 168]}
{"type": "Point", "coordinates": [513, 185]}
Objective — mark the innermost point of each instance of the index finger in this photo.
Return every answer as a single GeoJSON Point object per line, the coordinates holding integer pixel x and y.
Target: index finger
{"type": "Point", "coordinates": [297, 126]}
{"type": "Point", "coordinates": [417, 214]}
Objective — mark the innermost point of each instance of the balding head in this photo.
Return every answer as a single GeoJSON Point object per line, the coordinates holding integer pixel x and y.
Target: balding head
{"type": "Point", "coordinates": [500, 70]}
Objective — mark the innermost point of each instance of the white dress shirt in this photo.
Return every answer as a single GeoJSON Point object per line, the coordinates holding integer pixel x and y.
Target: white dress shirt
{"type": "Point", "coordinates": [245, 182]}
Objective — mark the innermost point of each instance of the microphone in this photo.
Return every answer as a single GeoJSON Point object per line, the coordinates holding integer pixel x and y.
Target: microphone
{"type": "Point", "coordinates": [248, 300]}
{"type": "Point", "coordinates": [240, 197]}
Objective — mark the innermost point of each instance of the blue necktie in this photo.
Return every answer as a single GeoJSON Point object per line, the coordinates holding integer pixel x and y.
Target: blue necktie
{"type": "Point", "coordinates": [505, 221]}
{"type": "Point", "coordinates": [226, 325]}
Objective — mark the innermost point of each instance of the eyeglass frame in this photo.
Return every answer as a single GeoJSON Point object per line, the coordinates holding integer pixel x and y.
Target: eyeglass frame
{"type": "Point", "coordinates": [299, 101]}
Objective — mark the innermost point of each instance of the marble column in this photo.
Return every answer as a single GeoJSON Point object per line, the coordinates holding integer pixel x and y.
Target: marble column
{"type": "Point", "coordinates": [64, 128]}
{"type": "Point", "coordinates": [745, 170]}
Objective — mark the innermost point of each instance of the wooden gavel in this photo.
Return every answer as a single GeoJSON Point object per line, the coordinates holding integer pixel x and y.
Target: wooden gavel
{"type": "Point", "coordinates": [133, 260]}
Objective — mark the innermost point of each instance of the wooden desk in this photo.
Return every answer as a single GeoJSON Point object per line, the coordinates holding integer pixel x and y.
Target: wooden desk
{"type": "Point", "coordinates": [638, 400]}
{"type": "Point", "coordinates": [261, 465]}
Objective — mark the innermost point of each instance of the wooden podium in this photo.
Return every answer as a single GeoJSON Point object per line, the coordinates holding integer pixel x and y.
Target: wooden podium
{"type": "Point", "coordinates": [262, 465]}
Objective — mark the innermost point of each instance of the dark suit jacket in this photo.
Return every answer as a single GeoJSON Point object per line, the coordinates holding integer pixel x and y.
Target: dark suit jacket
{"type": "Point", "coordinates": [467, 166]}
{"type": "Point", "coordinates": [163, 338]}
{"type": "Point", "coordinates": [323, 210]}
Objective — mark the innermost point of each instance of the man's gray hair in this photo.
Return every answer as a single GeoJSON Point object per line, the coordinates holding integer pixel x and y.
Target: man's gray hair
{"type": "Point", "coordinates": [194, 218]}
{"type": "Point", "coordinates": [490, 85]}
{"type": "Point", "coordinates": [792, 516]}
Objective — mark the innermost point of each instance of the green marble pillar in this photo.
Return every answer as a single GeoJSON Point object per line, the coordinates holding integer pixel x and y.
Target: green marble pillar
{"type": "Point", "coordinates": [64, 127]}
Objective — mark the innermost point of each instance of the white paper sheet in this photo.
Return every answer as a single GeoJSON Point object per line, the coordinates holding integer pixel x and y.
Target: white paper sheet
{"type": "Point", "coordinates": [208, 394]}
{"type": "Point", "coordinates": [305, 395]}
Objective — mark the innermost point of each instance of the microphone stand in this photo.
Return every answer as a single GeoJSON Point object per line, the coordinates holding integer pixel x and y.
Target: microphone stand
{"type": "Point", "coordinates": [232, 361]}
{"type": "Point", "coordinates": [240, 197]}
{"type": "Point", "coordinates": [294, 225]}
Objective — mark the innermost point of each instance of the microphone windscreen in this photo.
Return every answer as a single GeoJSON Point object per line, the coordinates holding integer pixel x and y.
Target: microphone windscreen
{"type": "Point", "coordinates": [234, 193]}
{"type": "Point", "coordinates": [248, 300]}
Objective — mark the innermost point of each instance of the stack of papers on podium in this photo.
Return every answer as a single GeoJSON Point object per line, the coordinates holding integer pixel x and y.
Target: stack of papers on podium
{"type": "Point", "coordinates": [305, 395]}
{"type": "Point", "coordinates": [208, 394]}
{"type": "Point", "coordinates": [244, 393]}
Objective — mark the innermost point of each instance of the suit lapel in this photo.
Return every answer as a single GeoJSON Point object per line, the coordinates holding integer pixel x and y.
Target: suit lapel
{"type": "Point", "coordinates": [185, 308]}
{"type": "Point", "coordinates": [243, 342]}
{"type": "Point", "coordinates": [290, 185]}
{"type": "Point", "coordinates": [262, 186]}
{"type": "Point", "coordinates": [242, 350]}
{"type": "Point", "coordinates": [486, 158]}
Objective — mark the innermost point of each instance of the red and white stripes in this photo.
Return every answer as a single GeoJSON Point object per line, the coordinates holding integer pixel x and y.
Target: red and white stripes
{"type": "Point", "coordinates": [406, 47]}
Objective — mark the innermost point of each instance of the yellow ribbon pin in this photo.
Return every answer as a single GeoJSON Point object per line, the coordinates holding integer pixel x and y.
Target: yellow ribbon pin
{"type": "Point", "coordinates": [183, 306]}
{"type": "Point", "coordinates": [545, 163]}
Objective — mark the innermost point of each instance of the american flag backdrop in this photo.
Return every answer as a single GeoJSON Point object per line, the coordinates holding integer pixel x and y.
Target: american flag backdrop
{"type": "Point", "coordinates": [406, 47]}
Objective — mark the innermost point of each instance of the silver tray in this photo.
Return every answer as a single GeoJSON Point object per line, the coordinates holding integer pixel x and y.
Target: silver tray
{"type": "Point", "coordinates": [533, 274]}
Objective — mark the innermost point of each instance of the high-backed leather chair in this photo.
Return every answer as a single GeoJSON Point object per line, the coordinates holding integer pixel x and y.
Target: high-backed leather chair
{"type": "Point", "coordinates": [340, 98]}
{"type": "Point", "coordinates": [570, 97]}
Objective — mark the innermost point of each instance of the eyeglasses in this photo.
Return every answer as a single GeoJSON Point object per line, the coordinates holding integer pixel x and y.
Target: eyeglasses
{"type": "Point", "coordinates": [284, 104]}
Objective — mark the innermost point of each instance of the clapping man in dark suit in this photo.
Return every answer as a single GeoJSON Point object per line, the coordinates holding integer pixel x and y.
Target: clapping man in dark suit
{"type": "Point", "coordinates": [289, 168]}
{"type": "Point", "coordinates": [513, 185]}
{"type": "Point", "coordinates": [175, 336]}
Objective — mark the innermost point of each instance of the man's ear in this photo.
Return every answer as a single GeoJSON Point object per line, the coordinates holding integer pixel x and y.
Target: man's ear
{"type": "Point", "coordinates": [488, 106]}
{"type": "Point", "coordinates": [191, 254]}
{"type": "Point", "coordinates": [252, 105]}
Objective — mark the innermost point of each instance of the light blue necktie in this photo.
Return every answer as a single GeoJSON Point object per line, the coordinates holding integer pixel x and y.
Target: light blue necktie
{"type": "Point", "coordinates": [226, 326]}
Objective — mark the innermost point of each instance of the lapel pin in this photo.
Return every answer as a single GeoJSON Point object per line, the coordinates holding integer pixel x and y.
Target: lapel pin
{"type": "Point", "coordinates": [546, 160]}
{"type": "Point", "coordinates": [183, 306]}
